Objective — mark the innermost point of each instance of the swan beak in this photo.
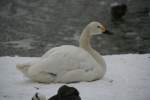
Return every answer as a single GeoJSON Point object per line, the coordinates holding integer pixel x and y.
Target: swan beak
{"type": "Point", "coordinates": [107, 32]}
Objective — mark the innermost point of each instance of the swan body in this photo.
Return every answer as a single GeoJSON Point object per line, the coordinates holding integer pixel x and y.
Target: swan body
{"type": "Point", "coordinates": [69, 63]}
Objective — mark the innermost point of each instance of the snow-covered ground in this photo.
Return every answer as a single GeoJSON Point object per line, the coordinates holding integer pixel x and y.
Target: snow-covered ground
{"type": "Point", "coordinates": [130, 74]}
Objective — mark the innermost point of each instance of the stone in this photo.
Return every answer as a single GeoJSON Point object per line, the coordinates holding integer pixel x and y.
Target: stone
{"type": "Point", "coordinates": [118, 10]}
{"type": "Point", "coordinates": [66, 93]}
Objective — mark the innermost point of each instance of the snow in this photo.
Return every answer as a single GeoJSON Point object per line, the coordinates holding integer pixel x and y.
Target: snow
{"type": "Point", "coordinates": [130, 74]}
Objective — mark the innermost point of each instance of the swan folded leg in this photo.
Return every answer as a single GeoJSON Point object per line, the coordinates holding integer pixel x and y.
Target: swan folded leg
{"type": "Point", "coordinates": [77, 76]}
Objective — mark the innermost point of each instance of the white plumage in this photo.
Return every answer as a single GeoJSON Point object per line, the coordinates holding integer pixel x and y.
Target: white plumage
{"type": "Point", "coordinates": [69, 63]}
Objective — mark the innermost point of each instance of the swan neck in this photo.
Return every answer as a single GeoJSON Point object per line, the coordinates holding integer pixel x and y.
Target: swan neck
{"type": "Point", "coordinates": [85, 39]}
{"type": "Point", "coordinates": [85, 44]}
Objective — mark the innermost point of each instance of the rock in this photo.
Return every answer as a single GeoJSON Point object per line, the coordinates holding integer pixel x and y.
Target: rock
{"type": "Point", "coordinates": [118, 10]}
{"type": "Point", "coordinates": [66, 93]}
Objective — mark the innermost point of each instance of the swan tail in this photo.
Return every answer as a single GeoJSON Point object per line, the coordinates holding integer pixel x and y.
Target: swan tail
{"type": "Point", "coordinates": [22, 66]}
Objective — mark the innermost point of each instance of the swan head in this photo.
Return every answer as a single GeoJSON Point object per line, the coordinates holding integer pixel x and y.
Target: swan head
{"type": "Point", "coordinates": [96, 28]}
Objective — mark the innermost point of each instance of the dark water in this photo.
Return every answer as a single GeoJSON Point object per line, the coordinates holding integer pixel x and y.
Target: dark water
{"type": "Point", "coordinates": [31, 27]}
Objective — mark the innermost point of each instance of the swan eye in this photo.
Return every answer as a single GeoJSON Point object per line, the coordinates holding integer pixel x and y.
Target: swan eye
{"type": "Point", "coordinates": [98, 27]}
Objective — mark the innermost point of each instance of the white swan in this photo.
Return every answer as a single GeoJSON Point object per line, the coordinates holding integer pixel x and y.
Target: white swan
{"type": "Point", "coordinates": [69, 63]}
